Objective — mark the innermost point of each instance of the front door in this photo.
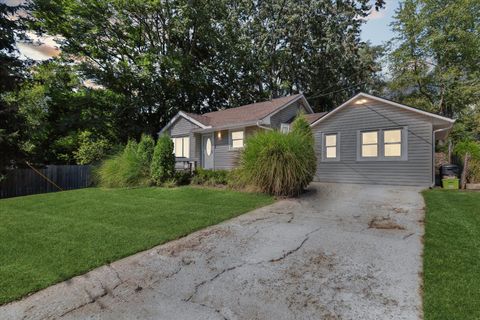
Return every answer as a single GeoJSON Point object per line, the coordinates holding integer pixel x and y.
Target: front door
{"type": "Point", "coordinates": [207, 151]}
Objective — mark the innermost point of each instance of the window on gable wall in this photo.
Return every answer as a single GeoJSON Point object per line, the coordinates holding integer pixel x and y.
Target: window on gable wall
{"type": "Point", "coordinates": [392, 140]}
{"type": "Point", "coordinates": [330, 146]}
{"type": "Point", "coordinates": [370, 144]}
{"type": "Point", "coordinates": [181, 147]}
{"type": "Point", "coordinates": [383, 144]}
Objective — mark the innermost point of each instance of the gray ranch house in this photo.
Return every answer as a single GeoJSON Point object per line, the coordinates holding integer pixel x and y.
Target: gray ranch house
{"type": "Point", "coordinates": [365, 140]}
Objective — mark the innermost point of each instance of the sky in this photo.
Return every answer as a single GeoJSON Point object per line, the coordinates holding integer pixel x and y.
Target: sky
{"type": "Point", "coordinates": [376, 30]}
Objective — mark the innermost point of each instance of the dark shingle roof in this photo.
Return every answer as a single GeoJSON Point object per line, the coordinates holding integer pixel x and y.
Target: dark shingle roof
{"type": "Point", "coordinates": [312, 117]}
{"type": "Point", "coordinates": [248, 113]}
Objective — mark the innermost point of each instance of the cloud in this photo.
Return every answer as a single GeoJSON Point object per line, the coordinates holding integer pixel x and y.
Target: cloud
{"type": "Point", "coordinates": [376, 15]}
{"type": "Point", "coordinates": [39, 48]}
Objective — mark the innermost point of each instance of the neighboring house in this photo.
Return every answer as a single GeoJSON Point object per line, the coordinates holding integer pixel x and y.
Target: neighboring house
{"type": "Point", "coordinates": [365, 140]}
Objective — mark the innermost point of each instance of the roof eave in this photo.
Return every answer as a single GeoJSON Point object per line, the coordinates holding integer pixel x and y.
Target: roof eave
{"type": "Point", "coordinates": [361, 94]}
{"type": "Point", "coordinates": [186, 116]}
{"type": "Point", "coordinates": [227, 126]}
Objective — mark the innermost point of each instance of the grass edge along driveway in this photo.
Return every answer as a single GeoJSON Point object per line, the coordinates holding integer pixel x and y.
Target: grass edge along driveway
{"type": "Point", "coordinates": [48, 238]}
{"type": "Point", "coordinates": [451, 260]}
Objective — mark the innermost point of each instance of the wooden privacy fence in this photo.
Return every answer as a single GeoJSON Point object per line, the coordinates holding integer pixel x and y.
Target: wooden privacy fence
{"type": "Point", "coordinates": [21, 182]}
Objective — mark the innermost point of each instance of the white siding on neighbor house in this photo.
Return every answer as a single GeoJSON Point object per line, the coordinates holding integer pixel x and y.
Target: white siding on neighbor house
{"type": "Point", "coordinates": [183, 127]}
{"type": "Point", "coordinates": [348, 122]}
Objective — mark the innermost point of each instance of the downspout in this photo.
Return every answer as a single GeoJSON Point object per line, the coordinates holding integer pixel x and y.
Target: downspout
{"type": "Point", "coordinates": [262, 126]}
{"type": "Point", "coordinates": [433, 153]}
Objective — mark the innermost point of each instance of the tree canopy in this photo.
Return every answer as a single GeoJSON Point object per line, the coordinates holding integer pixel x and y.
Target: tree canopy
{"type": "Point", "coordinates": [434, 64]}
{"type": "Point", "coordinates": [163, 56]}
{"type": "Point", "coordinates": [11, 74]}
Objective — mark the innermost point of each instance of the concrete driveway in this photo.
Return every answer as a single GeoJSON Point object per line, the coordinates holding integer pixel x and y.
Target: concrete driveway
{"type": "Point", "coordinates": [339, 252]}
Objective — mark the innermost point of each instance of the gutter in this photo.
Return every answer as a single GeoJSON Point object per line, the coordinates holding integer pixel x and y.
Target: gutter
{"type": "Point", "coordinates": [433, 152]}
{"type": "Point", "coordinates": [263, 127]}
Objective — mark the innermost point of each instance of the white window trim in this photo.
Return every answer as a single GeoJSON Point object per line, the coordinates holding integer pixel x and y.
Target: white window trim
{"type": "Point", "coordinates": [284, 128]}
{"type": "Point", "coordinates": [230, 141]}
{"type": "Point", "coordinates": [183, 139]}
{"type": "Point", "coordinates": [324, 147]}
{"type": "Point", "coordinates": [381, 145]}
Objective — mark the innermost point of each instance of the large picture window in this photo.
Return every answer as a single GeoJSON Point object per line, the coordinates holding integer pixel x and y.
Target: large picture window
{"type": "Point", "coordinates": [236, 139]}
{"type": "Point", "coordinates": [181, 147]}
{"type": "Point", "coordinates": [382, 144]}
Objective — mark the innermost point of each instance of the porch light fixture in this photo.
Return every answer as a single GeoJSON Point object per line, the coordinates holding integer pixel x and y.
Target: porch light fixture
{"type": "Point", "coordinates": [219, 134]}
{"type": "Point", "coordinates": [361, 101]}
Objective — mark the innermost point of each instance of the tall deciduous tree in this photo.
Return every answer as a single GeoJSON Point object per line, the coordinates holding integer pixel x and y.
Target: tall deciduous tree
{"type": "Point", "coordinates": [435, 62]}
{"type": "Point", "coordinates": [57, 107]}
{"type": "Point", "coordinates": [10, 76]}
{"type": "Point", "coordinates": [162, 56]}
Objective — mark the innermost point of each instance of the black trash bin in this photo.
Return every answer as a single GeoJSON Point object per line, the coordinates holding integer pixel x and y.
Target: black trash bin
{"type": "Point", "coordinates": [449, 170]}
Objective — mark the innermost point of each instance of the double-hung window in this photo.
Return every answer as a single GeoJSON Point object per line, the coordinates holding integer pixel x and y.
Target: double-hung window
{"type": "Point", "coordinates": [383, 144]}
{"type": "Point", "coordinates": [369, 144]}
{"type": "Point", "coordinates": [181, 147]}
{"type": "Point", "coordinates": [284, 128]}
{"type": "Point", "coordinates": [330, 147]}
{"type": "Point", "coordinates": [392, 143]}
{"type": "Point", "coordinates": [236, 139]}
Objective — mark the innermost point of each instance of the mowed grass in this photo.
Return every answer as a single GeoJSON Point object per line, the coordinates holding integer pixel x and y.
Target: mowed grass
{"type": "Point", "coordinates": [47, 238]}
{"type": "Point", "coordinates": [452, 255]}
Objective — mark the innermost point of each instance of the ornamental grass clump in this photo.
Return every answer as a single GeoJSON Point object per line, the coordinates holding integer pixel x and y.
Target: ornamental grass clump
{"type": "Point", "coordinates": [280, 164]}
{"type": "Point", "coordinates": [124, 169]}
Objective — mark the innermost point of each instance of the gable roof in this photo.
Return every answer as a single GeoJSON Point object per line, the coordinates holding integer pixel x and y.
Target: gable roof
{"type": "Point", "coordinates": [249, 113]}
{"type": "Point", "coordinates": [312, 117]}
{"type": "Point", "coordinates": [444, 120]}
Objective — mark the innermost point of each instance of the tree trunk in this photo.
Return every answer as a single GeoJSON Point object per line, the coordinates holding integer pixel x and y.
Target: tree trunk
{"type": "Point", "coordinates": [449, 151]}
{"type": "Point", "coordinates": [463, 180]}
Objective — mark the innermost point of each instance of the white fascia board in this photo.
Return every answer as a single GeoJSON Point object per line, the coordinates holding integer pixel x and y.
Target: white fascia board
{"type": "Point", "coordinates": [365, 95]}
{"type": "Point", "coordinates": [184, 115]}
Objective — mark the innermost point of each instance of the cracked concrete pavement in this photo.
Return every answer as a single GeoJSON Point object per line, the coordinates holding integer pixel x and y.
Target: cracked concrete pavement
{"type": "Point", "coordinates": [316, 257]}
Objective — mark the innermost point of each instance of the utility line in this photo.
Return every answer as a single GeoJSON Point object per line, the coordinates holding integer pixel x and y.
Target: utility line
{"type": "Point", "coordinates": [335, 91]}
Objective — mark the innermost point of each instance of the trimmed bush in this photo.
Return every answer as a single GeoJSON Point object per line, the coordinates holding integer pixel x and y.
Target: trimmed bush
{"type": "Point", "coordinates": [280, 164]}
{"type": "Point", "coordinates": [210, 177]}
{"type": "Point", "coordinates": [123, 169]}
{"type": "Point", "coordinates": [145, 152]}
{"type": "Point", "coordinates": [163, 161]}
{"type": "Point", "coordinates": [182, 178]}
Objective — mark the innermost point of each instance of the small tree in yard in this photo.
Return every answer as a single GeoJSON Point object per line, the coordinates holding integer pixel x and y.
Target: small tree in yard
{"type": "Point", "coordinates": [469, 151]}
{"type": "Point", "coordinates": [163, 162]}
{"type": "Point", "coordinates": [280, 164]}
{"type": "Point", "coordinates": [145, 152]}
{"type": "Point", "coordinates": [91, 150]}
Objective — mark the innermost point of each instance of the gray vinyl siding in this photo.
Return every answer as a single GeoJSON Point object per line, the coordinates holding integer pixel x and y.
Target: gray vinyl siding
{"type": "Point", "coordinates": [285, 115]}
{"type": "Point", "coordinates": [225, 158]}
{"type": "Point", "coordinates": [417, 170]}
{"type": "Point", "coordinates": [183, 127]}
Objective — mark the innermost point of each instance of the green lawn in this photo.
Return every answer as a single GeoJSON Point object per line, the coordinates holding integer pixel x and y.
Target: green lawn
{"type": "Point", "coordinates": [452, 255]}
{"type": "Point", "coordinates": [51, 237]}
